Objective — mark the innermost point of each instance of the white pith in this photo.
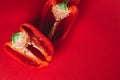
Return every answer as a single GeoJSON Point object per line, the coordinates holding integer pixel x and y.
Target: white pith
{"type": "Point", "coordinates": [59, 13]}
{"type": "Point", "coordinates": [22, 44]}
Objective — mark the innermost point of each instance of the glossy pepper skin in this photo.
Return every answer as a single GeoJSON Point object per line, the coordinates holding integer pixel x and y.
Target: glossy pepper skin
{"type": "Point", "coordinates": [57, 31]}
{"type": "Point", "coordinates": [38, 52]}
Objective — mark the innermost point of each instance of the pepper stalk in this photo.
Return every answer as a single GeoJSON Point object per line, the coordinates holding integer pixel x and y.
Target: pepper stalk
{"type": "Point", "coordinates": [60, 12]}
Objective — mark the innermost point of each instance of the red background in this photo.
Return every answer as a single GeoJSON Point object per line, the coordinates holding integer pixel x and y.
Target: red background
{"type": "Point", "coordinates": [91, 51]}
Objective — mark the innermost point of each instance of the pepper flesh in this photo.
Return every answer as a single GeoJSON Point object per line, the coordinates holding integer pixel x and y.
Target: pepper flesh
{"type": "Point", "coordinates": [57, 30]}
{"type": "Point", "coordinates": [37, 51]}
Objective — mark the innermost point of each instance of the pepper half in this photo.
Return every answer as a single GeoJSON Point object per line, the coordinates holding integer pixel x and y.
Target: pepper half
{"type": "Point", "coordinates": [57, 18]}
{"type": "Point", "coordinates": [31, 47]}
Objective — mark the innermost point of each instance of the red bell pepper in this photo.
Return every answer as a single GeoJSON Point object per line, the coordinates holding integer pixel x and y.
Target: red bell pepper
{"type": "Point", "coordinates": [57, 18]}
{"type": "Point", "coordinates": [30, 47]}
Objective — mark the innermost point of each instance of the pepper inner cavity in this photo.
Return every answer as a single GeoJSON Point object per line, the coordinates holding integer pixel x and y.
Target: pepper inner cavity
{"type": "Point", "coordinates": [22, 42]}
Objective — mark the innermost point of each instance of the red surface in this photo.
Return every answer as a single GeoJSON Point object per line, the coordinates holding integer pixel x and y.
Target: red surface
{"type": "Point", "coordinates": [91, 51]}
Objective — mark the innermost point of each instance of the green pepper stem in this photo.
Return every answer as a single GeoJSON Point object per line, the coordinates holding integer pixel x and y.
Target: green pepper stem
{"type": "Point", "coordinates": [66, 1]}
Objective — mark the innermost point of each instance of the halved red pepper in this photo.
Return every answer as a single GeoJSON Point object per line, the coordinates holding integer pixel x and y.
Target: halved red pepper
{"type": "Point", "coordinates": [31, 47]}
{"type": "Point", "coordinates": [57, 18]}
